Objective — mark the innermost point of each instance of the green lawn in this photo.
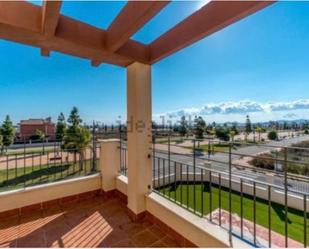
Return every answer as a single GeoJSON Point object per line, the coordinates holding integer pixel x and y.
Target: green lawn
{"type": "Point", "coordinates": [295, 217]}
{"type": "Point", "coordinates": [215, 147]}
{"type": "Point", "coordinates": [172, 140]}
{"type": "Point", "coordinates": [29, 176]}
{"type": "Point", "coordinates": [28, 151]}
{"type": "Point", "coordinates": [222, 147]}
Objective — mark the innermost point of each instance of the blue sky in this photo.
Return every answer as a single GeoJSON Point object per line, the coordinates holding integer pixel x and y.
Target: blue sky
{"type": "Point", "coordinates": [250, 67]}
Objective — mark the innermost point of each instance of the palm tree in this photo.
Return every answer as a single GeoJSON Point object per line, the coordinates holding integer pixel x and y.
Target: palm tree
{"type": "Point", "coordinates": [232, 135]}
{"type": "Point", "coordinates": [77, 142]}
{"type": "Point", "coordinates": [259, 131]}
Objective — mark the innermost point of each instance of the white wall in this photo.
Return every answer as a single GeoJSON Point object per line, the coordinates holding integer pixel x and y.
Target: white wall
{"type": "Point", "coordinates": [33, 195]}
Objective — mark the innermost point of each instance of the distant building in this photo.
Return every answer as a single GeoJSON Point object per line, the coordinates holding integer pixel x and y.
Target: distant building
{"type": "Point", "coordinates": [28, 127]}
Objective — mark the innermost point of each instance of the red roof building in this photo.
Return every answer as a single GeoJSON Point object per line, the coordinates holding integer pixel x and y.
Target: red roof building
{"type": "Point", "coordinates": [28, 128]}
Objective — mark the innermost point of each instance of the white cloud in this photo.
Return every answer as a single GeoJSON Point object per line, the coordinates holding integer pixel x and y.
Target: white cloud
{"type": "Point", "coordinates": [239, 108]}
{"type": "Point", "coordinates": [290, 115]}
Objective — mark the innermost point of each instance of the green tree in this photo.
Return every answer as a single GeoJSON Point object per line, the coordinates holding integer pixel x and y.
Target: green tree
{"type": "Point", "coordinates": [183, 127]}
{"type": "Point", "coordinates": [223, 133]}
{"type": "Point", "coordinates": [199, 127]}
{"type": "Point", "coordinates": [232, 135]}
{"type": "Point", "coordinates": [1, 144]}
{"type": "Point", "coordinates": [76, 138]}
{"type": "Point", "coordinates": [61, 127]}
{"type": "Point", "coordinates": [37, 135]}
{"type": "Point", "coordinates": [77, 143]}
{"type": "Point", "coordinates": [154, 126]}
{"type": "Point", "coordinates": [234, 128]}
{"type": "Point", "coordinates": [285, 126]}
{"type": "Point", "coordinates": [74, 119]}
{"type": "Point", "coordinates": [272, 135]}
{"type": "Point", "coordinates": [259, 130]}
{"type": "Point", "coordinates": [7, 132]}
{"type": "Point", "coordinates": [248, 126]}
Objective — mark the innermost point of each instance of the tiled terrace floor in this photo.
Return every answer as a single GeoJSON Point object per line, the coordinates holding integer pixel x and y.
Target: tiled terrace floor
{"type": "Point", "coordinates": [92, 223]}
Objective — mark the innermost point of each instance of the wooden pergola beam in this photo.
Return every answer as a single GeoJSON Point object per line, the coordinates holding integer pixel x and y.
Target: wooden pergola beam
{"type": "Point", "coordinates": [214, 16]}
{"type": "Point", "coordinates": [45, 28]}
{"type": "Point", "coordinates": [50, 17]}
{"type": "Point", "coordinates": [22, 22]}
{"type": "Point", "coordinates": [132, 17]}
{"type": "Point", "coordinates": [95, 63]}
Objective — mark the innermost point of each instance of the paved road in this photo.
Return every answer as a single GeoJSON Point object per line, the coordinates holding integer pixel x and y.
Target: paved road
{"type": "Point", "coordinates": [32, 145]}
{"type": "Point", "coordinates": [219, 162]}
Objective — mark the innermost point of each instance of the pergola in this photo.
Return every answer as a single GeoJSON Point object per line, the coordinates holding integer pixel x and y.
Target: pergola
{"type": "Point", "coordinates": [46, 28]}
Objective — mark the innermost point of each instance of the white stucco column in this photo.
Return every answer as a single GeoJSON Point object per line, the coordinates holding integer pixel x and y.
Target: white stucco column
{"type": "Point", "coordinates": [139, 112]}
{"type": "Point", "coordinates": [109, 163]}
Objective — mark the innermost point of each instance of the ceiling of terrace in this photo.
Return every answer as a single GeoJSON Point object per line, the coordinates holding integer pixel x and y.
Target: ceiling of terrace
{"type": "Point", "coordinates": [53, 26]}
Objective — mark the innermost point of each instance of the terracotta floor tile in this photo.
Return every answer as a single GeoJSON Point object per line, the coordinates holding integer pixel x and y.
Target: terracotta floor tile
{"type": "Point", "coordinates": [9, 223]}
{"type": "Point", "coordinates": [31, 214]}
{"type": "Point", "coordinates": [115, 236]}
{"type": "Point", "coordinates": [34, 239]}
{"type": "Point", "coordinates": [112, 210]}
{"type": "Point", "coordinates": [54, 219]}
{"type": "Point", "coordinates": [29, 225]}
{"type": "Point", "coordinates": [9, 236]}
{"type": "Point", "coordinates": [95, 222]}
{"type": "Point", "coordinates": [132, 228]}
{"type": "Point", "coordinates": [120, 218]}
{"type": "Point", "coordinates": [55, 232]}
{"type": "Point", "coordinates": [83, 234]}
{"type": "Point", "coordinates": [8, 244]}
{"type": "Point", "coordinates": [74, 218]}
{"type": "Point", "coordinates": [8, 233]}
{"type": "Point", "coordinates": [159, 244]}
{"type": "Point", "coordinates": [169, 242]}
{"type": "Point", "coordinates": [145, 238]}
{"type": "Point", "coordinates": [157, 231]}
{"type": "Point", "coordinates": [52, 211]}
{"type": "Point", "coordinates": [124, 243]}
{"type": "Point", "coordinates": [145, 222]}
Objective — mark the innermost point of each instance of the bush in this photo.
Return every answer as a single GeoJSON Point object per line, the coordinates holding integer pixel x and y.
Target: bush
{"type": "Point", "coordinates": [272, 135]}
{"type": "Point", "coordinates": [38, 135]}
{"type": "Point", "coordinates": [264, 163]}
{"type": "Point", "coordinates": [222, 133]}
{"type": "Point", "coordinates": [268, 162]}
{"type": "Point", "coordinates": [306, 132]}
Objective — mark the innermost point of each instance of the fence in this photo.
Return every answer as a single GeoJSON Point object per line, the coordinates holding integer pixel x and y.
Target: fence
{"type": "Point", "coordinates": [258, 192]}
{"type": "Point", "coordinates": [266, 207]}
{"type": "Point", "coordinates": [39, 162]}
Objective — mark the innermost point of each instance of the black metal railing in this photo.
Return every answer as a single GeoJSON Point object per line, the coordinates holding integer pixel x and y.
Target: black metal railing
{"type": "Point", "coordinates": [263, 206]}
{"type": "Point", "coordinates": [123, 170]}
{"type": "Point", "coordinates": [39, 161]}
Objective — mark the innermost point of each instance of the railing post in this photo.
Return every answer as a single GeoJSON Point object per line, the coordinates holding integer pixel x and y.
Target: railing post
{"type": "Point", "coordinates": [121, 166]}
{"type": "Point", "coordinates": [94, 149]}
{"type": "Point", "coordinates": [169, 149]}
{"type": "Point", "coordinates": [153, 151]}
{"type": "Point", "coordinates": [194, 175]}
{"type": "Point", "coordinates": [305, 221]}
{"type": "Point", "coordinates": [169, 164]}
{"type": "Point", "coordinates": [25, 161]}
{"type": "Point", "coordinates": [109, 163]}
{"type": "Point", "coordinates": [230, 192]}
{"type": "Point", "coordinates": [286, 195]}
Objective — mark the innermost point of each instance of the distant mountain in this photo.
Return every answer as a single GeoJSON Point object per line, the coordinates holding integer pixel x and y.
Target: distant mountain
{"type": "Point", "coordinates": [281, 122]}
